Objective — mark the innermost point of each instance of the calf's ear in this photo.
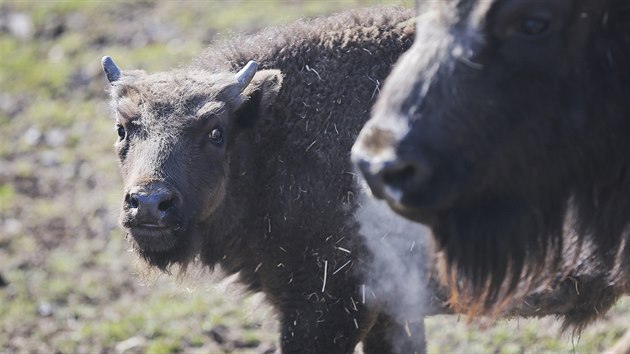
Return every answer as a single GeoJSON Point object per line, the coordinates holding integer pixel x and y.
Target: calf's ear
{"type": "Point", "coordinates": [110, 69]}
{"type": "Point", "coordinates": [260, 95]}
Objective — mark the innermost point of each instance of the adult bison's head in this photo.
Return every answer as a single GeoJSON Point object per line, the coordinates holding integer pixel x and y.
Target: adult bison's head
{"type": "Point", "coordinates": [177, 134]}
{"type": "Point", "coordinates": [505, 125]}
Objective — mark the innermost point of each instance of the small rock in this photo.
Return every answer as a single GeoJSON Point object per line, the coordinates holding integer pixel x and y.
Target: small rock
{"type": "Point", "coordinates": [12, 226]}
{"type": "Point", "coordinates": [131, 343]}
{"type": "Point", "coordinates": [32, 136]}
{"type": "Point", "coordinates": [21, 26]}
{"type": "Point", "coordinates": [45, 309]}
{"type": "Point", "coordinates": [49, 158]}
{"type": "Point", "coordinates": [55, 137]}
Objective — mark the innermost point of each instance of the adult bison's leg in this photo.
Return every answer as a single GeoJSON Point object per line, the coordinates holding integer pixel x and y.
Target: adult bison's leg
{"type": "Point", "coordinates": [388, 336]}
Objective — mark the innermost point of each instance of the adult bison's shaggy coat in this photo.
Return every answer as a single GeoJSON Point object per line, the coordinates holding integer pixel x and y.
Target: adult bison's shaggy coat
{"type": "Point", "coordinates": [506, 129]}
{"type": "Point", "coordinates": [251, 172]}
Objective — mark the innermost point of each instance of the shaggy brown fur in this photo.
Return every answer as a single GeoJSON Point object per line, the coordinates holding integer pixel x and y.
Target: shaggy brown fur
{"type": "Point", "coordinates": [505, 129]}
{"type": "Point", "coordinates": [258, 181]}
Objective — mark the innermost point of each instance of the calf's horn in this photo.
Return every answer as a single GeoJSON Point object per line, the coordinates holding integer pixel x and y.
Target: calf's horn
{"type": "Point", "coordinates": [245, 75]}
{"type": "Point", "coordinates": [110, 68]}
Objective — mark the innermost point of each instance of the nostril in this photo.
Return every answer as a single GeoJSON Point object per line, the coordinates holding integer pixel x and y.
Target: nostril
{"type": "Point", "coordinates": [406, 175]}
{"type": "Point", "coordinates": [131, 200]}
{"type": "Point", "coordinates": [399, 177]}
{"type": "Point", "coordinates": [166, 204]}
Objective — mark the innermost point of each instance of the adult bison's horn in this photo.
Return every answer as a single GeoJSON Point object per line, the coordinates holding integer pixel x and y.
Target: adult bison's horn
{"type": "Point", "coordinates": [245, 75]}
{"type": "Point", "coordinates": [110, 68]}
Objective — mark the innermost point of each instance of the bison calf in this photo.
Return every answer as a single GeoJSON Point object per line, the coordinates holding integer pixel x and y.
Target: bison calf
{"type": "Point", "coordinates": [251, 172]}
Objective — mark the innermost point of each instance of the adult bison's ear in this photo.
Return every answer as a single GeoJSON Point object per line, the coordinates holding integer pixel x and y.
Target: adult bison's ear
{"type": "Point", "coordinates": [260, 95]}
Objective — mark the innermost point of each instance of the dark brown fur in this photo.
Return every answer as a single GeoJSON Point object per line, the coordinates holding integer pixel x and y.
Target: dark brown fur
{"type": "Point", "coordinates": [505, 129]}
{"type": "Point", "coordinates": [276, 200]}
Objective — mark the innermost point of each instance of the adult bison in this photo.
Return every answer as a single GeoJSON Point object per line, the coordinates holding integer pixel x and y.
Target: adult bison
{"type": "Point", "coordinates": [505, 128]}
{"type": "Point", "coordinates": [251, 172]}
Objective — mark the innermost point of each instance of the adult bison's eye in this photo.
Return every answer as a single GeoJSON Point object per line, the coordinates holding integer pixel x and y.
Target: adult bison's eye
{"type": "Point", "coordinates": [216, 136]}
{"type": "Point", "coordinates": [121, 131]}
{"type": "Point", "coordinates": [533, 27]}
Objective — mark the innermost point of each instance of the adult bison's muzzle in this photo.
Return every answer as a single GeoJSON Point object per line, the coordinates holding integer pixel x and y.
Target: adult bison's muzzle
{"type": "Point", "coordinates": [412, 182]}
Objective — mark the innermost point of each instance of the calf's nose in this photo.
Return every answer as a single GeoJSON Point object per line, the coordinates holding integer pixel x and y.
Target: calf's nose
{"type": "Point", "coordinates": [151, 204]}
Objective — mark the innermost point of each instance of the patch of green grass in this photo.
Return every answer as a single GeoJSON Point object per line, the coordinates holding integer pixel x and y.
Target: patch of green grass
{"type": "Point", "coordinates": [49, 113]}
{"type": "Point", "coordinates": [28, 69]}
{"type": "Point", "coordinates": [140, 58]}
{"type": "Point", "coordinates": [23, 245]}
{"type": "Point", "coordinates": [7, 196]}
{"type": "Point", "coordinates": [164, 345]}
{"type": "Point", "coordinates": [44, 9]}
{"type": "Point", "coordinates": [117, 331]}
{"type": "Point", "coordinates": [46, 208]}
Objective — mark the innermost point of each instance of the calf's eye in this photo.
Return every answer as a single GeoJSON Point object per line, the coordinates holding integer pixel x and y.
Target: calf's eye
{"type": "Point", "coordinates": [216, 136]}
{"type": "Point", "coordinates": [533, 27]}
{"type": "Point", "coordinates": [121, 131]}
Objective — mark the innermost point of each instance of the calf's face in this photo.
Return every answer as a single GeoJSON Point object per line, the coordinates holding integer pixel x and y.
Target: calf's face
{"type": "Point", "coordinates": [488, 125]}
{"type": "Point", "coordinates": [175, 133]}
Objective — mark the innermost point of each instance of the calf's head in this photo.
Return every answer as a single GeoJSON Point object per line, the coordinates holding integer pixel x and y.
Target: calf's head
{"type": "Point", "coordinates": [177, 133]}
{"type": "Point", "coordinates": [505, 124]}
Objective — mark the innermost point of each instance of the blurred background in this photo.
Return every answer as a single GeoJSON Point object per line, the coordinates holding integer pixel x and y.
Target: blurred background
{"type": "Point", "coordinates": [68, 283]}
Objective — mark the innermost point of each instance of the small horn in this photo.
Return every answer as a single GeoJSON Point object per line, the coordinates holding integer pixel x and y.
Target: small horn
{"type": "Point", "coordinates": [111, 70]}
{"type": "Point", "coordinates": [245, 75]}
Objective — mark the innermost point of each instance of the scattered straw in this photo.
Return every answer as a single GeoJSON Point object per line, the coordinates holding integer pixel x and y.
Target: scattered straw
{"type": "Point", "coordinates": [340, 268]}
{"type": "Point", "coordinates": [308, 68]}
{"type": "Point", "coordinates": [344, 249]}
{"type": "Point", "coordinates": [310, 146]}
{"type": "Point", "coordinates": [325, 275]}
{"type": "Point", "coordinates": [377, 88]}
